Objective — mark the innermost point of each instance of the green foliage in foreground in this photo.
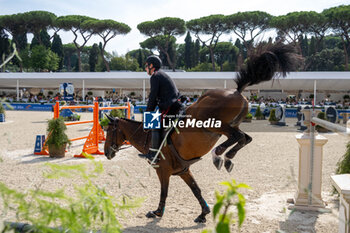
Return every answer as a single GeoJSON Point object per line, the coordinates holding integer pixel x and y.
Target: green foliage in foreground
{"type": "Point", "coordinates": [231, 197]}
{"type": "Point", "coordinates": [343, 166]}
{"type": "Point", "coordinates": [88, 208]}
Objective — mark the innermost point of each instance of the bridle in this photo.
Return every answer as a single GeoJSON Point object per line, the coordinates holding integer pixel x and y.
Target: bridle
{"type": "Point", "coordinates": [114, 146]}
{"type": "Point", "coordinates": [115, 131]}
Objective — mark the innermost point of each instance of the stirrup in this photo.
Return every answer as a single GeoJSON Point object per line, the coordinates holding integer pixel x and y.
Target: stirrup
{"type": "Point", "coordinates": [150, 156]}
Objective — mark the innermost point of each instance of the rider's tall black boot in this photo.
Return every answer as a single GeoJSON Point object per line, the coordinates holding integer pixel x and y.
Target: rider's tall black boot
{"type": "Point", "coordinates": [155, 144]}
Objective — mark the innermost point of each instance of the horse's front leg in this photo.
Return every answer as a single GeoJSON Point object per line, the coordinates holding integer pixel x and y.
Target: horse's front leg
{"type": "Point", "coordinates": [164, 183]}
{"type": "Point", "coordinates": [188, 178]}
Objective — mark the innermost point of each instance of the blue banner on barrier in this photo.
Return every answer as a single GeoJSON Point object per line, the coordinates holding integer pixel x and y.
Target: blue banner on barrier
{"type": "Point", "coordinates": [30, 107]}
{"type": "Point", "coordinates": [290, 112]}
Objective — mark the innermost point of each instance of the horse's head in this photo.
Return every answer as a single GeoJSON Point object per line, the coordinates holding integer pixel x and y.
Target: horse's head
{"type": "Point", "coordinates": [114, 139]}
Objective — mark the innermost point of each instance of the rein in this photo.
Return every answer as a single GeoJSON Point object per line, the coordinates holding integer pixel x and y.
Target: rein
{"type": "Point", "coordinates": [114, 130]}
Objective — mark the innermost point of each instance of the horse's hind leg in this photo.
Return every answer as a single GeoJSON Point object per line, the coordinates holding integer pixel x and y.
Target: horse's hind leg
{"type": "Point", "coordinates": [164, 182]}
{"type": "Point", "coordinates": [244, 140]}
{"type": "Point", "coordinates": [188, 178]}
{"type": "Point", "coordinates": [233, 135]}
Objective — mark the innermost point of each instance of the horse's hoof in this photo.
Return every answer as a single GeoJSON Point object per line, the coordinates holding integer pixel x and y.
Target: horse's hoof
{"type": "Point", "coordinates": [200, 219]}
{"type": "Point", "coordinates": [228, 165]}
{"type": "Point", "coordinates": [218, 161]}
{"type": "Point", "coordinates": [151, 214]}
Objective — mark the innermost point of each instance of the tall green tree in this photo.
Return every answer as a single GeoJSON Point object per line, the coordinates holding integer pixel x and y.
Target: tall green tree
{"type": "Point", "coordinates": [180, 55]}
{"type": "Point", "coordinates": [188, 51]}
{"type": "Point", "coordinates": [222, 53]}
{"type": "Point", "coordinates": [312, 50]}
{"type": "Point", "coordinates": [52, 61]}
{"type": "Point", "coordinates": [124, 63]}
{"type": "Point", "coordinates": [140, 55]}
{"type": "Point", "coordinates": [44, 39]}
{"type": "Point", "coordinates": [38, 58]}
{"type": "Point", "coordinates": [69, 50]}
{"type": "Point", "coordinates": [248, 25]}
{"type": "Point", "coordinates": [208, 30]}
{"type": "Point", "coordinates": [304, 46]}
{"type": "Point", "coordinates": [160, 41]}
{"type": "Point", "coordinates": [195, 54]}
{"type": "Point", "coordinates": [107, 30]}
{"type": "Point", "coordinates": [36, 21]}
{"type": "Point", "coordinates": [316, 25]}
{"type": "Point", "coordinates": [4, 46]}
{"type": "Point", "coordinates": [163, 32]}
{"type": "Point", "coordinates": [326, 60]}
{"type": "Point", "coordinates": [74, 23]}
{"type": "Point", "coordinates": [57, 48]}
{"type": "Point", "coordinates": [93, 57]}
{"type": "Point", "coordinates": [339, 18]}
{"type": "Point", "coordinates": [295, 25]}
{"type": "Point", "coordinates": [16, 27]}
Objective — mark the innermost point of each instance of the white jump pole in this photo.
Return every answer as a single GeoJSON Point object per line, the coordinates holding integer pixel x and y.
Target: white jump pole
{"type": "Point", "coordinates": [143, 91]}
{"type": "Point", "coordinates": [312, 148]}
{"type": "Point", "coordinates": [83, 91]}
{"type": "Point", "coordinates": [17, 89]}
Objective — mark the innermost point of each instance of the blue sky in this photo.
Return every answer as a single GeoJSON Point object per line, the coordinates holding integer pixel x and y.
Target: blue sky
{"type": "Point", "coordinates": [133, 12]}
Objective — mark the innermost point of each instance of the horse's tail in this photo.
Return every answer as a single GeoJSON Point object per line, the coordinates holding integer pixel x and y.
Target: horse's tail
{"type": "Point", "coordinates": [263, 65]}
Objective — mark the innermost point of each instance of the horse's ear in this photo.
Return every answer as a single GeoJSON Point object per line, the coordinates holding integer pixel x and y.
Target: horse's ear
{"type": "Point", "coordinates": [110, 118]}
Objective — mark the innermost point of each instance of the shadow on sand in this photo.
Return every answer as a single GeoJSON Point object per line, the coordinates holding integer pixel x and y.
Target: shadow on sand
{"type": "Point", "coordinates": [153, 226]}
{"type": "Point", "coordinates": [300, 221]}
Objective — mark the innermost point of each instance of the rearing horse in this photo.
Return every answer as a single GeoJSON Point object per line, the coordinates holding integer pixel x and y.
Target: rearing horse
{"type": "Point", "coordinates": [228, 106]}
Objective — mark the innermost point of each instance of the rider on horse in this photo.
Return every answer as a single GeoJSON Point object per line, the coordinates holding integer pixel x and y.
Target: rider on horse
{"type": "Point", "coordinates": [163, 94]}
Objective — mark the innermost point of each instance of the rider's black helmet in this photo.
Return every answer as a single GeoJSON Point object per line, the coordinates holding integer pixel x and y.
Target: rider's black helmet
{"type": "Point", "coordinates": [155, 60]}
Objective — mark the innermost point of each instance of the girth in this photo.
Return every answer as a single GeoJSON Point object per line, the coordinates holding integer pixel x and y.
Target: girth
{"type": "Point", "coordinates": [185, 164]}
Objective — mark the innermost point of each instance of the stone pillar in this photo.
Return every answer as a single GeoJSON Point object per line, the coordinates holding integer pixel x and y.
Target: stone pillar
{"type": "Point", "coordinates": [301, 200]}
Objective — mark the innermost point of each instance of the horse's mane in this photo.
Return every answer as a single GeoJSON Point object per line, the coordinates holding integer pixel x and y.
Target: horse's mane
{"type": "Point", "coordinates": [130, 120]}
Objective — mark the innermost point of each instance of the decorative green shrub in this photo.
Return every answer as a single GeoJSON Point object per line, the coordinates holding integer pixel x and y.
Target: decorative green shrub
{"type": "Point", "coordinates": [343, 166]}
{"type": "Point", "coordinates": [272, 116]}
{"type": "Point", "coordinates": [2, 109]}
{"type": "Point", "coordinates": [74, 117]}
{"type": "Point", "coordinates": [258, 114]}
{"type": "Point", "coordinates": [321, 115]}
{"type": "Point", "coordinates": [117, 113]}
{"type": "Point", "coordinates": [104, 121]}
{"type": "Point", "coordinates": [249, 116]}
{"type": "Point", "coordinates": [56, 132]}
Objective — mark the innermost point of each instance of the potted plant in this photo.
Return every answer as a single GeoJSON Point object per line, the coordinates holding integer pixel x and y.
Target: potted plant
{"type": "Point", "coordinates": [117, 113]}
{"type": "Point", "coordinates": [248, 118]}
{"type": "Point", "coordinates": [57, 138]}
{"type": "Point", "coordinates": [321, 115]}
{"type": "Point", "coordinates": [272, 117]}
{"type": "Point", "coordinates": [2, 113]}
{"type": "Point", "coordinates": [259, 115]}
{"type": "Point", "coordinates": [104, 123]}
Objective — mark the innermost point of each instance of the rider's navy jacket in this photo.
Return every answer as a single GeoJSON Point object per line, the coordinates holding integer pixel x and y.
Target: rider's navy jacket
{"type": "Point", "coordinates": [163, 91]}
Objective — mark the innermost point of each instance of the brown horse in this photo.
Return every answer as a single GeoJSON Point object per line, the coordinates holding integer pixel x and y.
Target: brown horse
{"type": "Point", "coordinates": [228, 106]}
